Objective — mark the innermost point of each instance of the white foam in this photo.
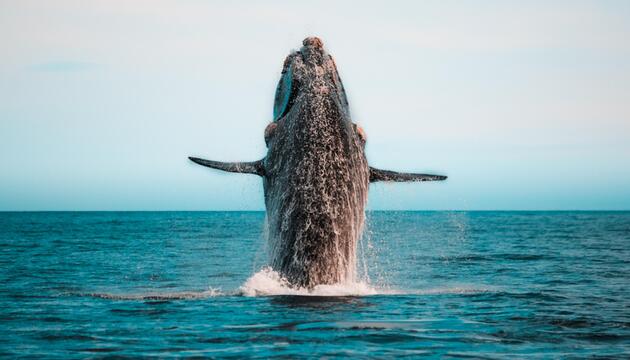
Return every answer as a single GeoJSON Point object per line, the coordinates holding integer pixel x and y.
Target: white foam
{"type": "Point", "coordinates": [268, 282]}
{"type": "Point", "coordinates": [181, 295]}
{"type": "Point", "coordinates": [456, 290]}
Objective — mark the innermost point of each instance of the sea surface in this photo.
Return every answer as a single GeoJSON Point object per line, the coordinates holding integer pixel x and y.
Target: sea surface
{"type": "Point", "coordinates": [194, 284]}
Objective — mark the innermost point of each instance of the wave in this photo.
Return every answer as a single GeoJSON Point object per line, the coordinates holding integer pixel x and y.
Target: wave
{"type": "Point", "coordinates": [268, 282]}
{"type": "Point", "coordinates": [454, 290]}
{"type": "Point", "coordinates": [181, 295]}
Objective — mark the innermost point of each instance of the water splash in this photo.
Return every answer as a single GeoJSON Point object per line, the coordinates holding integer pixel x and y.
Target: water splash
{"type": "Point", "coordinates": [268, 282]}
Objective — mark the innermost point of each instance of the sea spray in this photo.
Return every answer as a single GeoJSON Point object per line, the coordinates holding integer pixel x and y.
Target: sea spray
{"type": "Point", "coordinates": [268, 282]}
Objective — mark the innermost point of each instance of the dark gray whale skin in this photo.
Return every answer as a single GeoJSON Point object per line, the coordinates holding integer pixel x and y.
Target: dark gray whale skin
{"type": "Point", "coordinates": [315, 174]}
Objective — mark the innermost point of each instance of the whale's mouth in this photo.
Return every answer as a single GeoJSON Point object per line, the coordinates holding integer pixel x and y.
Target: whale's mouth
{"type": "Point", "coordinates": [287, 89]}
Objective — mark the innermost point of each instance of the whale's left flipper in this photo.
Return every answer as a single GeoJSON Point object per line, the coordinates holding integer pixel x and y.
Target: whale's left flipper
{"type": "Point", "coordinates": [387, 175]}
{"type": "Point", "coordinates": [252, 167]}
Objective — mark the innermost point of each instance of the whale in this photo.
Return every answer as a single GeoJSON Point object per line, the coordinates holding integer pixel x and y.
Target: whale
{"type": "Point", "coordinates": [315, 174]}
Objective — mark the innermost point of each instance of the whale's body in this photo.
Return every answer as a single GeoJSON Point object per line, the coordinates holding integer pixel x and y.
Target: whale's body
{"type": "Point", "coordinates": [315, 174]}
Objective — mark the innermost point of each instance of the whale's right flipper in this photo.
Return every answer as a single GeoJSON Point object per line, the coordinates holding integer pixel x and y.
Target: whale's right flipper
{"type": "Point", "coordinates": [388, 175]}
{"type": "Point", "coordinates": [252, 167]}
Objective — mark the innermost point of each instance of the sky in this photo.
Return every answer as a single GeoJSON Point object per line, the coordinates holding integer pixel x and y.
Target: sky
{"type": "Point", "coordinates": [525, 105]}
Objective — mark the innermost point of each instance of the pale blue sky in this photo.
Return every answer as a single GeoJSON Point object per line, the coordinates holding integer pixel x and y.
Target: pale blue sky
{"type": "Point", "coordinates": [525, 105]}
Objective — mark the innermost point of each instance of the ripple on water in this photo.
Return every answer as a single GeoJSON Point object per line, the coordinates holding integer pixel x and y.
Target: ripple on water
{"type": "Point", "coordinates": [495, 285]}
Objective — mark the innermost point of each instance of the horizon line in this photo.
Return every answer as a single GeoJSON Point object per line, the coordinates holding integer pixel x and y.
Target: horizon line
{"type": "Point", "coordinates": [371, 210]}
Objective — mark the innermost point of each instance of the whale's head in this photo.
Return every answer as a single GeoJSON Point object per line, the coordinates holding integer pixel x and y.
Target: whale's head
{"type": "Point", "coordinates": [309, 71]}
{"type": "Point", "coordinates": [310, 92]}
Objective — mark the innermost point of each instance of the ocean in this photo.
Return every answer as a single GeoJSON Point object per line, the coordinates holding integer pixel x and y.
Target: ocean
{"type": "Point", "coordinates": [195, 284]}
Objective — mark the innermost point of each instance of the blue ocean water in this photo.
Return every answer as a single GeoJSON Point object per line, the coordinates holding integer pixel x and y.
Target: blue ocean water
{"type": "Point", "coordinates": [442, 284]}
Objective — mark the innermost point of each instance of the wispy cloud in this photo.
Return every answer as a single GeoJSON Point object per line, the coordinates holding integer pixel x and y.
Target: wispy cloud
{"type": "Point", "coordinates": [64, 66]}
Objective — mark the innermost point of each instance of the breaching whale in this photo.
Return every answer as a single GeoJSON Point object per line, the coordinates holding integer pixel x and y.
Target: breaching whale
{"type": "Point", "coordinates": [315, 174]}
